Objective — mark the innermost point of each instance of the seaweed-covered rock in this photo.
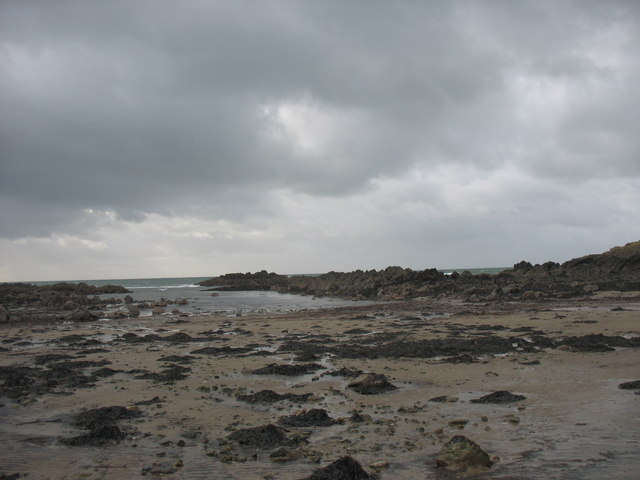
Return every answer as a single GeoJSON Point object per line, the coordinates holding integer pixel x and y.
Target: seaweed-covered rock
{"type": "Point", "coordinates": [316, 417]}
{"type": "Point", "coordinates": [97, 417]}
{"type": "Point", "coordinates": [288, 370]}
{"type": "Point", "coordinates": [345, 468]}
{"type": "Point", "coordinates": [461, 453]}
{"type": "Point", "coordinates": [500, 397]}
{"type": "Point", "coordinates": [98, 437]}
{"type": "Point", "coordinates": [102, 426]}
{"type": "Point", "coordinates": [269, 396]}
{"type": "Point", "coordinates": [170, 374]}
{"type": "Point", "coordinates": [372, 384]}
{"type": "Point", "coordinates": [225, 350]}
{"type": "Point", "coordinates": [593, 343]}
{"type": "Point", "coordinates": [264, 437]}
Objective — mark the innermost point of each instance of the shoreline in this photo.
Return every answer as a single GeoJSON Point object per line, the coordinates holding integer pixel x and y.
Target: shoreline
{"type": "Point", "coordinates": [574, 422]}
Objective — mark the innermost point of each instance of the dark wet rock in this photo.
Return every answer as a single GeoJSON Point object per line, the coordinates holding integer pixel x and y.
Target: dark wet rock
{"type": "Point", "coordinates": [226, 350]}
{"type": "Point", "coordinates": [153, 401]}
{"type": "Point", "coordinates": [344, 372]}
{"type": "Point", "coordinates": [634, 385]}
{"type": "Point", "coordinates": [171, 374]}
{"type": "Point", "coordinates": [264, 437]}
{"type": "Point", "coordinates": [246, 281]}
{"type": "Point", "coordinates": [596, 343]}
{"type": "Point", "coordinates": [180, 338]}
{"type": "Point", "coordinates": [17, 376]}
{"type": "Point", "coordinates": [493, 328]}
{"type": "Point", "coordinates": [83, 315]}
{"type": "Point", "coordinates": [106, 372]}
{"type": "Point", "coordinates": [97, 417]}
{"type": "Point", "coordinates": [346, 468]}
{"type": "Point", "coordinates": [20, 381]}
{"type": "Point", "coordinates": [50, 358]}
{"type": "Point", "coordinates": [269, 396]}
{"type": "Point", "coordinates": [133, 338]}
{"type": "Point", "coordinates": [460, 453]}
{"type": "Point", "coordinates": [60, 376]}
{"type": "Point", "coordinates": [101, 436]}
{"type": "Point", "coordinates": [439, 347]}
{"type": "Point", "coordinates": [102, 426]}
{"type": "Point", "coordinates": [72, 339]}
{"type": "Point", "coordinates": [500, 397]}
{"type": "Point", "coordinates": [177, 358]}
{"type": "Point", "coordinates": [357, 331]}
{"type": "Point", "coordinates": [79, 364]}
{"type": "Point", "coordinates": [11, 476]}
{"type": "Point", "coordinates": [316, 417]}
{"type": "Point", "coordinates": [372, 384]}
{"type": "Point", "coordinates": [288, 370]}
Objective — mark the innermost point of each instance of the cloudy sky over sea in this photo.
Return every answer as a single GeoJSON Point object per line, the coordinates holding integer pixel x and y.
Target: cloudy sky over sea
{"type": "Point", "coordinates": [163, 138]}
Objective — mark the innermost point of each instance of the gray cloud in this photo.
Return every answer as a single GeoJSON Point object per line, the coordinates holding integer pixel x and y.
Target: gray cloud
{"type": "Point", "coordinates": [208, 109]}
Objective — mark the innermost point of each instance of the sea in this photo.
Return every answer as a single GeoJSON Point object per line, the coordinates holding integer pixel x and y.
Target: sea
{"type": "Point", "coordinates": [202, 300]}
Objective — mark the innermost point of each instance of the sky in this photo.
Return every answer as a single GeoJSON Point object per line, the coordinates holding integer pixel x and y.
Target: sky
{"type": "Point", "coordinates": [155, 138]}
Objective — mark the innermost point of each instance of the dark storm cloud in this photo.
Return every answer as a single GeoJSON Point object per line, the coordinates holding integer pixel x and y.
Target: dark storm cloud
{"type": "Point", "coordinates": [162, 106]}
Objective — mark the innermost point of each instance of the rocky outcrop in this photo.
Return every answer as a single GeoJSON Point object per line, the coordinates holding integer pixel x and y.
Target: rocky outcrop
{"type": "Point", "coordinates": [617, 269]}
{"type": "Point", "coordinates": [246, 281]}
{"type": "Point", "coordinates": [57, 302]}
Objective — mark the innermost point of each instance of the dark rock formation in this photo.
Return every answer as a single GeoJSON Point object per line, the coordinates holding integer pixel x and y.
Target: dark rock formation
{"type": "Point", "coordinates": [59, 302]}
{"type": "Point", "coordinates": [288, 370]}
{"type": "Point", "coordinates": [102, 426]}
{"type": "Point", "coordinates": [316, 417]}
{"type": "Point", "coordinates": [346, 468]}
{"type": "Point", "coordinates": [269, 396]}
{"type": "Point", "coordinates": [170, 374]}
{"type": "Point", "coordinates": [372, 384]}
{"type": "Point", "coordinates": [246, 281]}
{"type": "Point", "coordinates": [264, 437]}
{"type": "Point", "coordinates": [634, 385]}
{"type": "Point", "coordinates": [500, 397]}
{"type": "Point", "coordinates": [617, 269]}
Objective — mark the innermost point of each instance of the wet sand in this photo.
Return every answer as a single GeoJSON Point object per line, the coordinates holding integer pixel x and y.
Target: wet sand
{"type": "Point", "coordinates": [575, 421]}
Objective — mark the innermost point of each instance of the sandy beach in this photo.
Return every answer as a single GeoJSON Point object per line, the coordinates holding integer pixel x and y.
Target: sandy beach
{"type": "Point", "coordinates": [188, 389]}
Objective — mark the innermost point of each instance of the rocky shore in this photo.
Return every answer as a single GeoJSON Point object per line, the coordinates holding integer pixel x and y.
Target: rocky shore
{"type": "Point", "coordinates": [618, 269]}
{"type": "Point", "coordinates": [530, 373]}
{"type": "Point", "coordinates": [59, 302]}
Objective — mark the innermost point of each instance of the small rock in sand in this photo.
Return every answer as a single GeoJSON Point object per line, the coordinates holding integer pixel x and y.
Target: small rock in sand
{"type": "Point", "coordinates": [499, 397]}
{"type": "Point", "coordinates": [372, 384]}
{"type": "Point", "coordinates": [460, 453]}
